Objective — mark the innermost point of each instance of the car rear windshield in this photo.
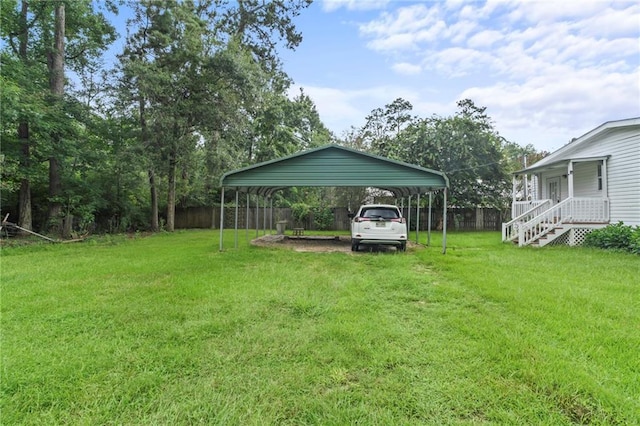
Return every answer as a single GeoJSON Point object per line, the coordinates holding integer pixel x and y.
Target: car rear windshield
{"type": "Point", "coordinates": [381, 213]}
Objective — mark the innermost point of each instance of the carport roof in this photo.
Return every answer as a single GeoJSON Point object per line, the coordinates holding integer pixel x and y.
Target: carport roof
{"type": "Point", "coordinates": [333, 166]}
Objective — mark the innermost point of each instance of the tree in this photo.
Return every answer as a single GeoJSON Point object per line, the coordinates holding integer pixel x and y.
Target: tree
{"type": "Point", "coordinates": [258, 25]}
{"type": "Point", "coordinates": [55, 66]}
{"type": "Point", "coordinates": [384, 127]}
{"type": "Point", "coordinates": [198, 71]}
{"type": "Point", "coordinates": [38, 34]}
{"type": "Point", "coordinates": [468, 149]}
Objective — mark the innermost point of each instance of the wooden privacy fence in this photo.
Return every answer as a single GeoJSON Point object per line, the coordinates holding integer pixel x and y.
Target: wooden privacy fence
{"type": "Point", "coordinates": [458, 219]}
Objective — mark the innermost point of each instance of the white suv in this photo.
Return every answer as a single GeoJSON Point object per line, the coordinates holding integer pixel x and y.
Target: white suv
{"type": "Point", "coordinates": [378, 224]}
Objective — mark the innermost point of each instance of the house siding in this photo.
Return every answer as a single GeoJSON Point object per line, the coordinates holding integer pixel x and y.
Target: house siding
{"type": "Point", "coordinates": [585, 180]}
{"type": "Point", "coordinates": [623, 171]}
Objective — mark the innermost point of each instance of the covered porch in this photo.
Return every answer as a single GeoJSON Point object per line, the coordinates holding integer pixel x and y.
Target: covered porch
{"type": "Point", "coordinates": [549, 200]}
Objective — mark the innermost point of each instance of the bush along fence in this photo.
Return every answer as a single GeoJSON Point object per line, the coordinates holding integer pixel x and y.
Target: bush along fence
{"type": "Point", "coordinates": [334, 219]}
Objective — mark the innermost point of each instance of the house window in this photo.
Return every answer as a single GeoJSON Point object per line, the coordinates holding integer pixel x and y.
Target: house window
{"type": "Point", "coordinates": [599, 177]}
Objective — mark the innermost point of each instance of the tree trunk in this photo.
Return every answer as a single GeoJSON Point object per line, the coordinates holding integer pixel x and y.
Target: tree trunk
{"type": "Point", "coordinates": [155, 223]}
{"type": "Point", "coordinates": [55, 62]}
{"type": "Point", "coordinates": [171, 193]}
{"type": "Point", "coordinates": [153, 188]}
{"type": "Point", "coordinates": [25, 218]}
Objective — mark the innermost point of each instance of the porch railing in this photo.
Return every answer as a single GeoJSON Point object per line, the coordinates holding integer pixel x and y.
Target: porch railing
{"type": "Point", "coordinates": [589, 210]}
{"type": "Point", "coordinates": [510, 229]}
{"type": "Point", "coordinates": [520, 207]}
{"type": "Point", "coordinates": [571, 210]}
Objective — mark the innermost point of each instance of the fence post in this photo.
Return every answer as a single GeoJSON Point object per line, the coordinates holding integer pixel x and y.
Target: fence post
{"type": "Point", "coordinates": [479, 219]}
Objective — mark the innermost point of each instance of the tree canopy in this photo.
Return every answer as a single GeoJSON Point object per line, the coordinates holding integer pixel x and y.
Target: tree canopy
{"type": "Point", "coordinates": [197, 89]}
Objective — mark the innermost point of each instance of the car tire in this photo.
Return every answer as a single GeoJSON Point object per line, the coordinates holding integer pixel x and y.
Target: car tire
{"type": "Point", "coordinates": [354, 246]}
{"type": "Point", "coordinates": [403, 247]}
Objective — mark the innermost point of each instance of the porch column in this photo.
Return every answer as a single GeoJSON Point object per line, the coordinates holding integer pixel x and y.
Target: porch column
{"type": "Point", "coordinates": [539, 182]}
{"type": "Point", "coordinates": [570, 178]}
{"type": "Point", "coordinates": [514, 184]}
{"type": "Point", "coordinates": [605, 179]}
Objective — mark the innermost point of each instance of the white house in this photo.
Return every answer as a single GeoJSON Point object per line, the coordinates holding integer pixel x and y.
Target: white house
{"type": "Point", "coordinates": [592, 181]}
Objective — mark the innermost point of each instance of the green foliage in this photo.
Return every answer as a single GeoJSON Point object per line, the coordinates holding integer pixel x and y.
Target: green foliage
{"type": "Point", "coordinates": [43, 118]}
{"type": "Point", "coordinates": [322, 218]}
{"type": "Point", "coordinates": [615, 237]}
{"type": "Point", "coordinates": [465, 146]}
{"type": "Point", "coordinates": [300, 213]}
{"type": "Point", "coordinates": [383, 129]}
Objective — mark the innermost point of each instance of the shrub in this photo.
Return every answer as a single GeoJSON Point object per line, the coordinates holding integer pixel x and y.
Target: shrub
{"type": "Point", "coordinates": [615, 237]}
{"type": "Point", "coordinates": [323, 218]}
{"type": "Point", "coordinates": [300, 213]}
{"type": "Point", "coordinates": [634, 245]}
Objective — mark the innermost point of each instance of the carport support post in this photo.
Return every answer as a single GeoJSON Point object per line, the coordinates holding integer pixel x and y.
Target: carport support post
{"type": "Point", "coordinates": [236, 220]}
{"type": "Point", "coordinates": [409, 218]}
{"type": "Point", "coordinates": [418, 221]}
{"type": "Point", "coordinates": [257, 214]}
{"type": "Point", "coordinates": [264, 216]}
{"type": "Point", "coordinates": [444, 223]}
{"type": "Point", "coordinates": [429, 223]}
{"type": "Point", "coordinates": [246, 219]}
{"type": "Point", "coordinates": [221, 216]}
{"type": "Point", "coordinates": [270, 215]}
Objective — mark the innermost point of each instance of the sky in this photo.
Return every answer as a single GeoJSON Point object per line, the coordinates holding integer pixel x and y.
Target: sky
{"type": "Point", "coordinates": [547, 71]}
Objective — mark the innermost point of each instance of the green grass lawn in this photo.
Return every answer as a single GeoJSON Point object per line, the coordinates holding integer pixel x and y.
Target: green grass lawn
{"type": "Point", "coordinates": [168, 330]}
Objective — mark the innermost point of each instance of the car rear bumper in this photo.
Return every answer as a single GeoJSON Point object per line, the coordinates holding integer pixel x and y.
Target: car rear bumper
{"type": "Point", "coordinates": [374, 241]}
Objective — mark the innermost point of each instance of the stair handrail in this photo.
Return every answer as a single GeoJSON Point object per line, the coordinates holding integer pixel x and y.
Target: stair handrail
{"type": "Point", "coordinates": [509, 229]}
{"type": "Point", "coordinates": [544, 222]}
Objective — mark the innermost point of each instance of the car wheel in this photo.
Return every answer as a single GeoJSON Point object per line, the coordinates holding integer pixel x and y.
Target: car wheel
{"type": "Point", "coordinates": [354, 246]}
{"type": "Point", "coordinates": [403, 247]}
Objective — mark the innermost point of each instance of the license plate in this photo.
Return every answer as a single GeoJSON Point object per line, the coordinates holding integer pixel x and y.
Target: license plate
{"type": "Point", "coordinates": [381, 224]}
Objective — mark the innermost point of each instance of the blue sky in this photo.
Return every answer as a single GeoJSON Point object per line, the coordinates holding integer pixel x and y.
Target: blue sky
{"type": "Point", "coordinates": [547, 71]}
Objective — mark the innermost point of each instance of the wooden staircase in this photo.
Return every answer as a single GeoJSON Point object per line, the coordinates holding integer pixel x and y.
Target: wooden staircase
{"type": "Point", "coordinates": [552, 235]}
{"type": "Point", "coordinates": [542, 224]}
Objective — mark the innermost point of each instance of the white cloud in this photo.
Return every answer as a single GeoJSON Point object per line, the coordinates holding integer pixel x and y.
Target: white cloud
{"type": "Point", "coordinates": [404, 29]}
{"type": "Point", "coordinates": [407, 68]}
{"type": "Point", "coordinates": [612, 23]}
{"type": "Point", "coordinates": [458, 61]}
{"type": "Point", "coordinates": [562, 101]}
{"type": "Point", "coordinates": [332, 5]}
{"type": "Point", "coordinates": [458, 32]}
{"type": "Point", "coordinates": [547, 71]}
{"type": "Point", "coordinates": [393, 43]}
{"type": "Point", "coordinates": [484, 39]}
{"type": "Point", "coordinates": [540, 64]}
{"type": "Point", "coordinates": [551, 11]}
{"type": "Point", "coordinates": [342, 109]}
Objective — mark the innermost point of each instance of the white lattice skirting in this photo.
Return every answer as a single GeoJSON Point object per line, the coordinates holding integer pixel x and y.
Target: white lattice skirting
{"type": "Point", "coordinates": [573, 237]}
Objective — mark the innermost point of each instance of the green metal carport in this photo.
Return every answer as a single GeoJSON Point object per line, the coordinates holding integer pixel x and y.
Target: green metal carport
{"type": "Point", "coordinates": [335, 166]}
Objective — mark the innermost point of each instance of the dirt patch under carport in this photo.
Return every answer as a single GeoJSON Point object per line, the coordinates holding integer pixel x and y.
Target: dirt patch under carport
{"type": "Point", "coordinates": [316, 243]}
